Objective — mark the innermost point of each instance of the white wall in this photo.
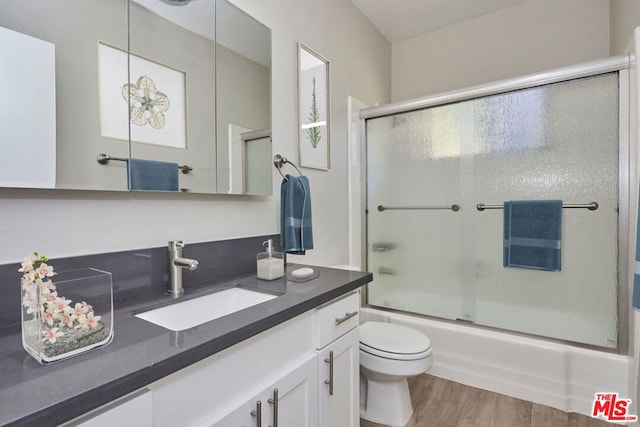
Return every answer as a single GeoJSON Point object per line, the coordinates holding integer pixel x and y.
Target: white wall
{"type": "Point", "coordinates": [532, 36]}
{"type": "Point", "coordinates": [624, 17]}
{"type": "Point", "coordinates": [64, 223]}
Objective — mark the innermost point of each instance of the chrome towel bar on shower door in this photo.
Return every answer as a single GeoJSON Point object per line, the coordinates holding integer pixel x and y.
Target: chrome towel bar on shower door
{"type": "Point", "coordinates": [454, 208]}
{"type": "Point", "coordinates": [591, 206]}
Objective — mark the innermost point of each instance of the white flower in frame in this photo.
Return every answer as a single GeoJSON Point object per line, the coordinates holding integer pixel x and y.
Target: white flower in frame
{"type": "Point", "coordinates": [147, 105]}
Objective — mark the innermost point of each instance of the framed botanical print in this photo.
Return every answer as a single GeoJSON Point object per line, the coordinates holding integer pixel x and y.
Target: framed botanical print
{"type": "Point", "coordinates": [313, 109]}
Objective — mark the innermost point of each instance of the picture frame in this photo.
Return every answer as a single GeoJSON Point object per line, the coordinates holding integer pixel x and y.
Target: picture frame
{"type": "Point", "coordinates": [164, 122]}
{"type": "Point", "coordinates": [314, 112]}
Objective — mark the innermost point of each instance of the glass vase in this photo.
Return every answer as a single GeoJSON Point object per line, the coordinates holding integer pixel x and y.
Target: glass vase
{"type": "Point", "coordinates": [67, 314]}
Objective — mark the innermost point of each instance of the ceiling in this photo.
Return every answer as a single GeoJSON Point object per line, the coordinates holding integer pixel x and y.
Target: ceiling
{"type": "Point", "coordinates": [400, 20]}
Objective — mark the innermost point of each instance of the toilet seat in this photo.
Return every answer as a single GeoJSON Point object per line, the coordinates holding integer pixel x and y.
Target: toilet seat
{"type": "Point", "coordinates": [394, 356]}
{"type": "Point", "coordinates": [392, 341]}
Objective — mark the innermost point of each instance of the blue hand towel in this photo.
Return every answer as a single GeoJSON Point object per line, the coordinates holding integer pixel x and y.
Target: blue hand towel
{"type": "Point", "coordinates": [153, 175]}
{"type": "Point", "coordinates": [532, 233]}
{"type": "Point", "coordinates": [296, 234]}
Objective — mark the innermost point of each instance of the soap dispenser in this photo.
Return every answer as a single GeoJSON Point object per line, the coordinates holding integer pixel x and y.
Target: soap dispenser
{"type": "Point", "coordinates": [270, 263]}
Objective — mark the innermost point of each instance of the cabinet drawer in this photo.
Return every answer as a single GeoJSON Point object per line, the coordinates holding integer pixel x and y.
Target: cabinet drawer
{"type": "Point", "coordinates": [336, 318]}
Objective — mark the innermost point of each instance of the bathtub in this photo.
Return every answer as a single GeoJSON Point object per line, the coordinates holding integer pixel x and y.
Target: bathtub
{"type": "Point", "coordinates": [542, 371]}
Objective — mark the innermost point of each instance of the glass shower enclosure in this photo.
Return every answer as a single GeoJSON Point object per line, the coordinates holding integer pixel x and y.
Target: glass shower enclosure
{"type": "Point", "coordinates": [434, 251]}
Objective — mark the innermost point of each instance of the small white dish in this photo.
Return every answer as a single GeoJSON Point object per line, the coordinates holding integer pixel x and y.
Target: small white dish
{"type": "Point", "coordinates": [302, 273]}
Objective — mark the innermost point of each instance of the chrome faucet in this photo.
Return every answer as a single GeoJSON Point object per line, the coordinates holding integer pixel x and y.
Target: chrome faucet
{"type": "Point", "coordinates": [176, 265]}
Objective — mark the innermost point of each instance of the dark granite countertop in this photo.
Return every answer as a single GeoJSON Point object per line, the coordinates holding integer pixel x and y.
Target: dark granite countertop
{"type": "Point", "coordinates": [141, 352]}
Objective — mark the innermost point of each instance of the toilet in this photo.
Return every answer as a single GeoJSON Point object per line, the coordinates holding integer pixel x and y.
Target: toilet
{"type": "Point", "coordinates": [389, 354]}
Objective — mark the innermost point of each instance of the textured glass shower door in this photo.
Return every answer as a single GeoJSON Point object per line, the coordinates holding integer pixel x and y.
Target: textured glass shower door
{"type": "Point", "coordinates": [558, 141]}
{"type": "Point", "coordinates": [413, 159]}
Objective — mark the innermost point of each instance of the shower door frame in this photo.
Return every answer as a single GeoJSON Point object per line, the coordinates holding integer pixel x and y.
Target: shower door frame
{"type": "Point", "coordinates": [626, 171]}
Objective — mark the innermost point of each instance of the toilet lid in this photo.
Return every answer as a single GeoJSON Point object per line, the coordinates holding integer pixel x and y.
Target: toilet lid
{"type": "Point", "coordinates": [392, 338]}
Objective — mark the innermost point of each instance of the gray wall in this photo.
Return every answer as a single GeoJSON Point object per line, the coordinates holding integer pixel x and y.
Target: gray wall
{"type": "Point", "coordinates": [528, 37]}
{"type": "Point", "coordinates": [624, 17]}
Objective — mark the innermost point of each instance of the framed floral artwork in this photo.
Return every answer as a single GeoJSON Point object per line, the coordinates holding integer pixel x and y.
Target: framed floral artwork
{"type": "Point", "coordinates": [154, 94]}
{"type": "Point", "coordinates": [313, 109]}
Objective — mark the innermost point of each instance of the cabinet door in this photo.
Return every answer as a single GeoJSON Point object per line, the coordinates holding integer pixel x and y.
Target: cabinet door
{"type": "Point", "coordinates": [293, 400]}
{"type": "Point", "coordinates": [340, 404]}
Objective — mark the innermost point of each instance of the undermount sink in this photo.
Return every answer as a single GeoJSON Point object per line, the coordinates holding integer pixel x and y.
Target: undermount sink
{"type": "Point", "coordinates": [187, 314]}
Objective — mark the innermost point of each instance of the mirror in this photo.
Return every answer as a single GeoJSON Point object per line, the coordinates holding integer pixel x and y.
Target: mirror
{"type": "Point", "coordinates": [243, 83]}
{"type": "Point", "coordinates": [172, 54]}
{"type": "Point", "coordinates": [49, 80]}
{"type": "Point", "coordinates": [176, 87]}
{"type": "Point", "coordinates": [227, 70]}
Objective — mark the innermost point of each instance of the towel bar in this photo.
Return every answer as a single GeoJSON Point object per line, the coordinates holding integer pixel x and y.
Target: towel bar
{"type": "Point", "coordinates": [591, 206]}
{"type": "Point", "coordinates": [103, 159]}
{"type": "Point", "coordinates": [278, 161]}
{"type": "Point", "coordinates": [454, 208]}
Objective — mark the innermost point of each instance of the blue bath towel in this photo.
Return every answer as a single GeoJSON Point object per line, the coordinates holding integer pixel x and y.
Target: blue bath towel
{"type": "Point", "coordinates": [296, 234]}
{"type": "Point", "coordinates": [532, 232]}
{"type": "Point", "coordinates": [636, 276]}
{"type": "Point", "coordinates": [153, 175]}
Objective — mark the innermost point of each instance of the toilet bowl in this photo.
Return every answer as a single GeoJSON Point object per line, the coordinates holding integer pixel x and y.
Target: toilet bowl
{"type": "Point", "coordinates": [389, 354]}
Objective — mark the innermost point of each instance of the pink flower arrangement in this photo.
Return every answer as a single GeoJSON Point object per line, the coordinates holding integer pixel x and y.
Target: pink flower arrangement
{"type": "Point", "coordinates": [40, 298]}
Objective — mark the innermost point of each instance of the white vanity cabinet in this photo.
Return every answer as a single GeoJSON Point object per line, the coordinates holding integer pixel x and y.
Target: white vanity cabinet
{"type": "Point", "coordinates": [337, 340]}
{"type": "Point", "coordinates": [219, 386]}
{"type": "Point", "coordinates": [288, 360]}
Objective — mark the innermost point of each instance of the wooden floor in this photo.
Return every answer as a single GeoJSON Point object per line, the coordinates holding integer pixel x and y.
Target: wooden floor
{"type": "Point", "coordinates": [441, 403]}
